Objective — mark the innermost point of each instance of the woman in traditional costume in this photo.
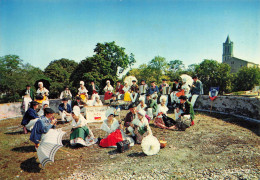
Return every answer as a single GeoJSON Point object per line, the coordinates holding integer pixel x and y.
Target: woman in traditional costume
{"type": "Point", "coordinates": [142, 105]}
{"type": "Point", "coordinates": [140, 127]}
{"type": "Point", "coordinates": [97, 101]}
{"type": "Point", "coordinates": [42, 93]}
{"type": "Point", "coordinates": [162, 120]}
{"type": "Point", "coordinates": [185, 87]}
{"type": "Point", "coordinates": [113, 129]}
{"type": "Point", "coordinates": [83, 92]}
{"type": "Point", "coordinates": [81, 134]}
{"type": "Point", "coordinates": [126, 89]}
{"type": "Point", "coordinates": [108, 91]}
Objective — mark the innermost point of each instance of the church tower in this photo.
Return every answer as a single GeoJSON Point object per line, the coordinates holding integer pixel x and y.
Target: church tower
{"type": "Point", "coordinates": [227, 50]}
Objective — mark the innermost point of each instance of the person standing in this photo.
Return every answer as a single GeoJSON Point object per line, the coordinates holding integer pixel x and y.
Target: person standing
{"type": "Point", "coordinates": [28, 96]}
{"type": "Point", "coordinates": [143, 88]}
{"type": "Point", "coordinates": [93, 88]}
{"type": "Point", "coordinates": [83, 92]}
{"type": "Point", "coordinates": [153, 89]}
{"type": "Point", "coordinates": [108, 91]}
{"type": "Point", "coordinates": [196, 89]}
{"type": "Point", "coordinates": [164, 90]}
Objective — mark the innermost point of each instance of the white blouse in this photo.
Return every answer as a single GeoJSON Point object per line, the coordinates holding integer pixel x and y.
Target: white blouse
{"type": "Point", "coordinates": [186, 89]}
{"type": "Point", "coordinates": [42, 91]}
{"type": "Point", "coordinates": [114, 126]}
{"type": "Point", "coordinates": [142, 123]}
{"type": "Point", "coordinates": [81, 122]}
{"type": "Point", "coordinates": [98, 104]}
{"type": "Point", "coordinates": [141, 108]}
{"type": "Point", "coordinates": [81, 91]}
{"type": "Point", "coordinates": [162, 109]}
{"type": "Point", "coordinates": [108, 88]}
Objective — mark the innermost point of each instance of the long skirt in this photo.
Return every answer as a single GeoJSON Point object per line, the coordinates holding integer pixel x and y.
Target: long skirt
{"type": "Point", "coordinates": [127, 97]}
{"type": "Point", "coordinates": [112, 139]}
{"type": "Point", "coordinates": [78, 136]}
{"type": "Point", "coordinates": [108, 95]}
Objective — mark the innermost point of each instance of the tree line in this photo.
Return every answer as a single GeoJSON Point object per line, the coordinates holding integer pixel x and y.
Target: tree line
{"type": "Point", "coordinates": [108, 62]}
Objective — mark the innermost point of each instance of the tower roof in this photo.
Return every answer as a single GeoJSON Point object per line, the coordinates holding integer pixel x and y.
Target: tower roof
{"type": "Point", "coordinates": [228, 40]}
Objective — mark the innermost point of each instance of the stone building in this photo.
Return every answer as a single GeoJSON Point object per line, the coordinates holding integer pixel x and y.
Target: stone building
{"type": "Point", "coordinates": [235, 63]}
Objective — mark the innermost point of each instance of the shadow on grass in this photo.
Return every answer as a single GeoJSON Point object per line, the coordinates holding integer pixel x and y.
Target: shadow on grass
{"type": "Point", "coordinates": [113, 152]}
{"type": "Point", "coordinates": [24, 149]}
{"type": "Point", "coordinates": [66, 143]}
{"type": "Point", "coordinates": [14, 133]}
{"type": "Point", "coordinates": [30, 165]}
{"type": "Point", "coordinates": [138, 154]}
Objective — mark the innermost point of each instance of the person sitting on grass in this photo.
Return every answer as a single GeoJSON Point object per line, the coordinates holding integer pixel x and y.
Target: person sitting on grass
{"type": "Point", "coordinates": [139, 127]}
{"type": "Point", "coordinates": [42, 126]}
{"type": "Point", "coordinates": [65, 110]}
{"type": "Point", "coordinates": [45, 104]}
{"type": "Point", "coordinates": [30, 117]}
{"type": "Point", "coordinates": [80, 132]}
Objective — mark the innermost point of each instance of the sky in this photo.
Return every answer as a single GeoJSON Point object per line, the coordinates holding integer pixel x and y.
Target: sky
{"type": "Point", "coordinates": [40, 31]}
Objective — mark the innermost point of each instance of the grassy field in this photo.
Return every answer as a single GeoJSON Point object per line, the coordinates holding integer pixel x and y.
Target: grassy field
{"type": "Point", "coordinates": [216, 147]}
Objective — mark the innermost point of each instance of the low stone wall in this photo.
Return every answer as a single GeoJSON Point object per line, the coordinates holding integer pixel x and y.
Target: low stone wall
{"type": "Point", "coordinates": [248, 107]}
{"type": "Point", "coordinates": [244, 107]}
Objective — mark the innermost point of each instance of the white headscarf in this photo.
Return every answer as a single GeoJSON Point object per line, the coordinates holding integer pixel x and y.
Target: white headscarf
{"type": "Point", "coordinates": [40, 83]}
{"type": "Point", "coordinates": [82, 82]}
{"type": "Point", "coordinates": [142, 112]}
{"type": "Point", "coordinates": [163, 98]}
{"type": "Point", "coordinates": [110, 111]}
{"type": "Point", "coordinates": [141, 99]}
{"type": "Point", "coordinates": [76, 111]}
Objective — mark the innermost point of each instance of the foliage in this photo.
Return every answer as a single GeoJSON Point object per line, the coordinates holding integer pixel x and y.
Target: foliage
{"type": "Point", "coordinates": [109, 61]}
{"type": "Point", "coordinates": [213, 74]}
{"type": "Point", "coordinates": [14, 75]}
{"type": "Point", "coordinates": [246, 78]}
{"type": "Point", "coordinates": [59, 72]}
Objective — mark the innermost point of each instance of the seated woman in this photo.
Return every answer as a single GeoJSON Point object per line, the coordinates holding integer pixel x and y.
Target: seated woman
{"type": "Point", "coordinates": [81, 134]}
{"type": "Point", "coordinates": [113, 129]}
{"type": "Point", "coordinates": [126, 89]}
{"type": "Point", "coordinates": [83, 92]}
{"type": "Point", "coordinates": [30, 117]}
{"type": "Point", "coordinates": [140, 127]}
{"type": "Point", "coordinates": [142, 105]}
{"type": "Point", "coordinates": [108, 91]}
{"type": "Point", "coordinates": [42, 93]}
{"type": "Point", "coordinates": [97, 101]}
{"type": "Point", "coordinates": [162, 120]}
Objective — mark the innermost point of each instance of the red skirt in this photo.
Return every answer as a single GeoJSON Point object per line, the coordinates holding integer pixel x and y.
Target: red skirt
{"type": "Point", "coordinates": [112, 139]}
{"type": "Point", "coordinates": [108, 95]}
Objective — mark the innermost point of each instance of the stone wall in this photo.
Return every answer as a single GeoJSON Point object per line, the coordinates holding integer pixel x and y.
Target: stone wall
{"type": "Point", "coordinates": [10, 110]}
{"type": "Point", "coordinates": [248, 107]}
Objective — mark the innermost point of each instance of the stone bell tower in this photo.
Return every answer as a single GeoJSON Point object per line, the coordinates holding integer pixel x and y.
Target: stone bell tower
{"type": "Point", "coordinates": [227, 50]}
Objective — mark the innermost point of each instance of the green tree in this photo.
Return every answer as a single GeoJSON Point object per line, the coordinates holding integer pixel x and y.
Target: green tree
{"type": "Point", "coordinates": [158, 66]}
{"type": "Point", "coordinates": [213, 74]}
{"type": "Point", "coordinates": [14, 75]}
{"type": "Point", "coordinates": [247, 78]}
{"type": "Point", "coordinates": [109, 61]}
{"type": "Point", "coordinates": [59, 72]}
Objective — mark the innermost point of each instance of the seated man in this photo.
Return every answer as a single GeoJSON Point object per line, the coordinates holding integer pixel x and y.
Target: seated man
{"type": "Point", "coordinates": [42, 126]}
{"type": "Point", "coordinates": [65, 110]}
{"type": "Point", "coordinates": [30, 117]}
{"type": "Point", "coordinates": [45, 104]}
{"type": "Point", "coordinates": [130, 116]}
{"type": "Point", "coordinates": [151, 106]}
{"type": "Point", "coordinates": [184, 114]}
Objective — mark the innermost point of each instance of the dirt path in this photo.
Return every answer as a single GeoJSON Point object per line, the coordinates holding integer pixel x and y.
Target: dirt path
{"type": "Point", "coordinates": [215, 148]}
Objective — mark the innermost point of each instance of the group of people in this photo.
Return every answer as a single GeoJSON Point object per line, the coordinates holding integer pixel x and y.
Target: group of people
{"type": "Point", "coordinates": [143, 106]}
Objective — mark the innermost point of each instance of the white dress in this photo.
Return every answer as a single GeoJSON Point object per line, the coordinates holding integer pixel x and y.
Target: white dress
{"type": "Point", "coordinates": [108, 88]}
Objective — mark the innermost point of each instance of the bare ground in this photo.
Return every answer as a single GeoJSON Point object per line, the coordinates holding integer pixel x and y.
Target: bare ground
{"type": "Point", "coordinates": [216, 147]}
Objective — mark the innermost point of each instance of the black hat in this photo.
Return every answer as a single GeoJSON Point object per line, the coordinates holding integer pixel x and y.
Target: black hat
{"type": "Point", "coordinates": [118, 81]}
{"type": "Point", "coordinates": [152, 81]}
{"type": "Point", "coordinates": [28, 85]}
{"type": "Point", "coordinates": [132, 106]}
{"type": "Point", "coordinates": [78, 98]}
{"type": "Point", "coordinates": [148, 94]}
{"type": "Point", "coordinates": [164, 80]}
{"type": "Point", "coordinates": [194, 77]}
{"type": "Point", "coordinates": [48, 111]}
{"type": "Point", "coordinates": [34, 103]}
{"type": "Point", "coordinates": [183, 97]}
{"type": "Point", "coordinates": [142, 80]}
{"type": "Point", "coordinates": [64, 99]}
{"type": "Point", "coordinates": [177, 80]}
{"type": "Point", "coordinates": [134, 80]}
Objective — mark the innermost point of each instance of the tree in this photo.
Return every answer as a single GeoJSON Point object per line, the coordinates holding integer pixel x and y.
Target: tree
{"type": "Point", "coordinates": [109, 61]}
{"type": "Point", "coordinates": [213, 74]}
{"type": "Point", "coordinates": [14, 75]}
{"type": "Point", "coordinates": [176, 65]}
{"type": "Point", "coordinates": [59, 72]}
{"type": "Point", "coordinates": [158, 65]}
{"type": "Point", "coordinates": [247, 78]}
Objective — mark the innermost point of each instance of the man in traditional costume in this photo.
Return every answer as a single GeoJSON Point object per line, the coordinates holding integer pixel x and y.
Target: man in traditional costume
{"type": "Point", "coordinates": [65, 110]}
{"type": "Point", "coordinates": [143, 88]}
{"type": "Point", "coordinates": [134, 92]}
{"type": "Point", "coordinates": [196, 89]}
{"type": "Point", "coordinates": [42, 126]}
{"type": "Point", "coordinates": [119, 89]}
{"type": "Point", "coordinates": [30, 117]}
{"type": "Point", "coordinates": [66, 94]}
{"type": "Point", "coordinates": [175, 89]}
{"type": "Point", "coordinates": [151, 106]}
{"type": "Point", "coordinates": [130, 116]}
{"type": "Point", "coordinates": [28, 96]}
{"type": "Point", "coordinates": [93, 88]}
{"type": "Point", "coordinates": [164, 90]}
{"type": "Point", "coordinates": [153, 89]}
{"type": "Point", "coordinates": [184, 114]}
{"type": "Point", "coordinates": [83, 92]}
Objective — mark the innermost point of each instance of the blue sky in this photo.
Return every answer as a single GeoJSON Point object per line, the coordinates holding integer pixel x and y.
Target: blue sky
{"type": "Point", "coordinates": [40, 31]}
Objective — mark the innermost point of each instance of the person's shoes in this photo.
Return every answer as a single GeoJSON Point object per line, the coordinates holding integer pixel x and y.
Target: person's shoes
{"type": "Point", "coordinates": [98, 140]}
{"type": "Point", "coordinates": [25, 130]}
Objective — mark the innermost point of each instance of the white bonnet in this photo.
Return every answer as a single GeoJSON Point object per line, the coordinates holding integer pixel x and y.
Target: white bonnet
{"type": "Point", "coordinates": [141, 112]}
{"type": "Point", "coordinates": [40, 83]}
{"type": "Point", "coordinates": [82, 82]}
{"type": "Point", "coordinates": [108, 81]}
{"type": "Point", "coordinates": [76, 110]}
{"type": "Point", "coordinates": [110, 111]}
{"type": "Point", "coordinates": [163, 98]}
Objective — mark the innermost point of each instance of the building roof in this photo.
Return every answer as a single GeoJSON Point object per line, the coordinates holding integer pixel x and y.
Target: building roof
{"type": "Point", "coordinates": [234, 58]}
{"type": "Point", "coordinates": [228, 40]}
